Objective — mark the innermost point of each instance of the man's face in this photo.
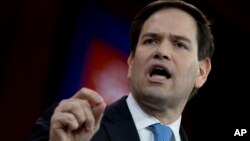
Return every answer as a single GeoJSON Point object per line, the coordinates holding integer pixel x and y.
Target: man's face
{"type": "Point", "coordinates": [165, 67]}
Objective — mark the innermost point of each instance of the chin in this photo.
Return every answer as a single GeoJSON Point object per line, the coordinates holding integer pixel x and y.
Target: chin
{"type": "Point", "coordinates": [155, 96]}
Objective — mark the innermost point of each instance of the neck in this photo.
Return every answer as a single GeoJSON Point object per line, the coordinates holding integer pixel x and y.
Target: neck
{"type": "Point", "coordinates": [164, 115]}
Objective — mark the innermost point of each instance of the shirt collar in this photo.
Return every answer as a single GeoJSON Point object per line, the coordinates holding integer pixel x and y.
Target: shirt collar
{"type": "Point", "coordinates": [143, 120]}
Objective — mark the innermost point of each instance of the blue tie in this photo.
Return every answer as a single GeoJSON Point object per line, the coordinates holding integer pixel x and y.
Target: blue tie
{"type": "Point", "coordinates": [161, 132]}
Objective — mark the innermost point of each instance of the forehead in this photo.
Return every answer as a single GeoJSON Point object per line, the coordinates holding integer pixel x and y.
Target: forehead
{"type": "Point", "coordinates": [171, 21]}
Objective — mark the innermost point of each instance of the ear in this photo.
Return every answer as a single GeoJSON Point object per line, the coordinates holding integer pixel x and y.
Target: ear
{"type": "Point", "coordinates": [204, 69]}
{"type": "Point", "coordinates": [130, 61]}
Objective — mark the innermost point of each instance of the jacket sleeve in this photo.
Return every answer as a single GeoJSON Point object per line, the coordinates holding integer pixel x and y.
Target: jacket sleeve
{"type": "Point", "coordinates": [40, 131]}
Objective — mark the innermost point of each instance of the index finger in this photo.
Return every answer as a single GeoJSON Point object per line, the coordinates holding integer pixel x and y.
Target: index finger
{"type": "Point", "coordinates": [87, 94]}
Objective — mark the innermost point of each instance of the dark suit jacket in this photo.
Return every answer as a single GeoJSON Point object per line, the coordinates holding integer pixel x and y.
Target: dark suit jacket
{"type": "Point", "coordinates": [117, 125]}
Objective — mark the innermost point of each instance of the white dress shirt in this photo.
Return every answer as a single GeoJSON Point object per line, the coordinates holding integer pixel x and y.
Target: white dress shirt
{"type": "Point", "coordinates": [142, 120]}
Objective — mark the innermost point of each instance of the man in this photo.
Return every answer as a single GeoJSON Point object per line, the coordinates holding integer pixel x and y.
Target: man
{"type": "Point", "coordinates": [171, 50]}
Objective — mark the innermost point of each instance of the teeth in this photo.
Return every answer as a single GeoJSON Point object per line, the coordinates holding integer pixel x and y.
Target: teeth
{"type": "Point", "coordinates": [159, 73]}
{"type": "Point", "coordinates": [158, 77]}
{"type": "Point", "coordinates": [159, 68]}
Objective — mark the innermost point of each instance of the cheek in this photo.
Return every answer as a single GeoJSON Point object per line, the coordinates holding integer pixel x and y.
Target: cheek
{"type": "Point", "coordinates": [189, 70]}
{"type": "Point", "coordinates": [135, 67]}
{"type": "Point", "coordinates": [131, 66]}
{"type": "Point", "coordinates": [139, 62]}
{"type": "Point", "coordinates": [193, 70]}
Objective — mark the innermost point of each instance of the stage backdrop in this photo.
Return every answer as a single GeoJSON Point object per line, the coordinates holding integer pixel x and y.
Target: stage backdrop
{"type": "Point", "coordinates": [98, 54]}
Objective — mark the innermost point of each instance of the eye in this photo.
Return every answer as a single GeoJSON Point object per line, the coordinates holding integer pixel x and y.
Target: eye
{"type": "Point", "coordinates": [180, 45]}
{"type": "Point", "coordinates": [150, 42]}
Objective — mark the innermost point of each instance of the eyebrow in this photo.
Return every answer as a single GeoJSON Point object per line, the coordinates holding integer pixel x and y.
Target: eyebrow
{"type": "Point", "coordinates": [160, 36]}
{"type": "Point", "coordinates": [172, 36]}
{"type": "Point", "coordinates": [178, 37]}
{"type": "Point", "coordinates": [153, 35]}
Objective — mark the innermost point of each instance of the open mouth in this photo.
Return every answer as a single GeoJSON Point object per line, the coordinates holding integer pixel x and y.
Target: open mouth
{"type": "Point", "coordinates": [160, 71]}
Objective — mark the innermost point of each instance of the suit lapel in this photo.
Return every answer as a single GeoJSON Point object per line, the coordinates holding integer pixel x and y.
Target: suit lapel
{"type": "Point", "coordinates": [121, 126]}
{"type": "Point", "coordinates": [183, 134]}
{"type": "Point", "coordinates": [123, 131]}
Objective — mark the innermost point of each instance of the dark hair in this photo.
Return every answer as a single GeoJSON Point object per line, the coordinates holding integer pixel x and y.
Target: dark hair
{"type": "Point", "coordinates": [204, 35]}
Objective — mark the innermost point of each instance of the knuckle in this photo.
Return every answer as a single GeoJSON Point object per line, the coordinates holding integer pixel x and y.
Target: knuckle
{"type": "Point", "coordinates": [83, 90]}
{"type": "Point", "coordinates": [74, 106]}
{"type": "Point", "coordinates": [61, 105]}
{"type": "Point", "coordinates": [64, 101]}
{"type": "Point", "coordinates": [69, 118]}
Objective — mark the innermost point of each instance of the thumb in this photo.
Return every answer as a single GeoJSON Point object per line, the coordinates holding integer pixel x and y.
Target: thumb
{"type": "Point", "coordinates": [98, 111]}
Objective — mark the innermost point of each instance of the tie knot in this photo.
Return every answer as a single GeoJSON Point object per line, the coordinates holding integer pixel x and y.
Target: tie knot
{"type": "Point", "coordinates": [161, 132]}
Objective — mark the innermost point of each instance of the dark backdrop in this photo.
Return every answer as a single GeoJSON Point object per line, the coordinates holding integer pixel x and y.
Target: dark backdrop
{"type": "Point", "coordinates": [35, 39]}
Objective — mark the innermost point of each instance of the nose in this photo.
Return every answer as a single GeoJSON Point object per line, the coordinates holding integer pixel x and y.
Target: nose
{"type": "Point", "coordinates": [162, 52]}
